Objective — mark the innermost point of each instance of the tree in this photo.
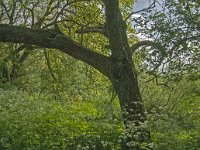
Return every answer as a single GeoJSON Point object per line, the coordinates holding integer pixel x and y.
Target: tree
{"type": "Point", "coordinates": [34, 28]}
{"type": "Point", "coordinates": [174, 24]}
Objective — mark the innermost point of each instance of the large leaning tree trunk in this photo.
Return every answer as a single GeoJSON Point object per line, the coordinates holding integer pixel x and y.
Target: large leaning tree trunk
{"type": "Point", "coordinates": [124, 79]}
{"type": "Point", "coordinates": [119, 67]}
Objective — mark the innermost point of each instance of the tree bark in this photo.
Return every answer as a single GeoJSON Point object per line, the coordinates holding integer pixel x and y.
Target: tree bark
{"type": "Point", "coordinates": [124, 80]}
{"type": "Point", "coordinates": [54, 40]}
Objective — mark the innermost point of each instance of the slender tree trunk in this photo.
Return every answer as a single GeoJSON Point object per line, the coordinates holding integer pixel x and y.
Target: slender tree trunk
{"type": "Point", "coordinates": [4, 73]}
{"type": "Point", "coordinates": [17, 64]}
{"type": "Point", "coordinates": [125, 82]}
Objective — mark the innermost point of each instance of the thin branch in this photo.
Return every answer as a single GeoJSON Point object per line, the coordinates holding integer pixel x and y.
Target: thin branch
{"type": "Point", "coordinates": [142, 10]}
{"type": "Point", "coordinates": [6, 10]}
{"type": "Point", "coordinates": [169, 97]}
{"type": "Point", "coordinates": [49, 65]}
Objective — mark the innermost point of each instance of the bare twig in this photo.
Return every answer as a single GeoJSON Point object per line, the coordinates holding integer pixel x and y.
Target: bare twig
{"type": "Point", "coordinates": [49, 65]}
{"type": "Point", "coordinates": [142, 10]}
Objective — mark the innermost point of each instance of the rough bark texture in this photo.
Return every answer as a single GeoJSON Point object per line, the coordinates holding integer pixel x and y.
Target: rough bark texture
{"type": "Point", "coordinates": [52, 39]}
{"type": "Point", "coordinates": [126, 85]}
{"type": "Point", "coordinates": [124, 79]}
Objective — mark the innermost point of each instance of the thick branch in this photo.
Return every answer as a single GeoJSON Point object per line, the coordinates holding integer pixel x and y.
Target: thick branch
{"type": "Point", "coordinates": [51, 39]}
{"type": "Point", "coordinates": [100, 29]}
{"type": "Point", "coordinates": [161, 48]}
{"type": "Point", "coordinates": [149, 43]}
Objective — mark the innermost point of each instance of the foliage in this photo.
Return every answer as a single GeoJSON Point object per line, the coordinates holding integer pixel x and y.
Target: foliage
{"type": "Point", "coordinates": [174, 25]}
{"type": "Point", "coordinates": [52, 101]}
{"type": "Point", "coordinates": [37, 122]}
{"type": "Point", "coordinates": [173, 114]}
